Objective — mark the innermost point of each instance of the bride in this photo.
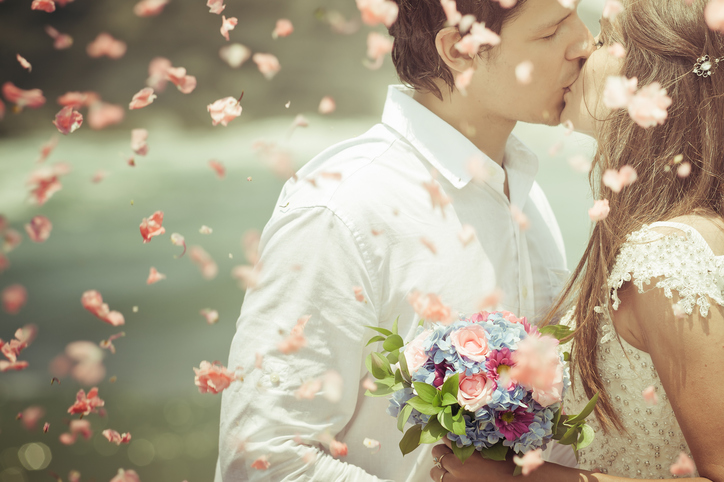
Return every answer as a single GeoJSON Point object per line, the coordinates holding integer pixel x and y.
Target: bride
{"type": "Point", "coordinates": [648, 294]}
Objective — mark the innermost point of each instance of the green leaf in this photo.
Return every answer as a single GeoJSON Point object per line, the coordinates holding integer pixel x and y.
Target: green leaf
{"type": "Point", "coordinates": [570, 437]}
{"type": "Point", "coordinates": [421, 322]}
{"type": "Point", "coordinates": [380, 366]}
{"type": "Point", "coordinates": [518, 471]}
{"type": "Point", "coordinates": [381, 391]}
{"type": "Point", "coordinates": [411, 440]}
{"type": "Point", "coordinates": [462, 453]}
{"type": "Point", "coordinates": [398, 376]}
{"type": "Point", "coordinates": [379, 330]}
{"type": "Point", "coordinates": [394, 325]}
{"type": "Point", "coordinates": [451, 385]}
{"type": "Point", "coordinates": [556, 419]}
{"type": "Point", "coordinates": [445, 418]}
{"type": "Point", "coordinates": [435, 429]}
{"type": "Point", "coordinates": [496, 452]}
{"type": "Point", "coordinates": [586, 437]}
{"type": "Point", "coordinates": [422, 406]}
{"type": "Point", "coordinates": [566, 356]}
{"type": "Point", "coordinates": [425, 391]}
{"type": "Point", "coordinates": [403, 416]}
{"type": "Point", "coordinates": [427, 437]}
{"type": "Point", "coordinates": [586, 411]}
{"type": "Point", "coordinates": [557, 331]}
{"type": "Point", "coordinates": [373, 369]}
{"type": "Point", "coordinates": [375, 339]}
{"type": "Point", "coordinates": [458, 423]}
{"type": "Point", "coordinates": [393, 357]}
{"type": "Point", "coordinates": [448, 399]}
{"type": "Point", "coordinates": [393, 342]}
{"type": "Point", "coordinates": [403, 368]}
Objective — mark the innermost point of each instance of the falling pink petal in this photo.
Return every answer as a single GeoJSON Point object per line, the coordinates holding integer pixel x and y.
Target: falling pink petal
{"type": "Point", "coordinates": [332, 386]}
{"type": "Point", "coordinates": [519, 217]}
{"type": "Point", "coordinates": [4, 263]}
{"type": "Point", "coordinates": [2, 110]}
{"type": "Point", "coordinates": [338, 449]}
{"type": "Point", "coordinates": [31, 416]}
{"type": "Point", "coordinates": [378, 46]}
{"type": "Point", "coordinates": [580, 163]}
{"type": "Point", "coordinates": [326, 105]}
{"type": "Point", "coordinates": [451, 12]}
{"type": "Point", "coordinates": [308, 390]}
{"type": "Point", "coordinates": [358, 293]}
{"type": "Point", "coordinates": [86, 404]}
{"type": "Point", "coordinates": [617, 180]}
{"type": "Point", "coordinates": [530, 461]}
{"type": "Point", "coordinates": [142, 98]}
{"type": "Point", "coordinates": [619, 91]}
{"type": "Point", "coordinates": [462, 81]}
{"type": "Point", "coordinates": [267, 64]}
{"type": "Point", "coordinates": [524, 72]}
{"type": "Point", "coordinates": [151, 226]}
{"type": "Point", "coordinates": [45, 181]}
{"type": "Point", "coordinates": [44, 5]}
{"type": "Point", "coordinates": [61, 41]}
{"type": "Point", "coordinates": [284, 28]}
{"type": "Point", "coordinates": [224, 111]}
{"type": "Point", "coordinates": [47, 148]}
{"type": "Point", "coordinates": [126, 476]}
{"type": "Point", "coordinates": [428, 244]}
{"type": "Point", "coordinates": [261, 463]}
{"type": "Point", "coordinates": [247, 276]}
{"type": "Point", "coordinates": [430, 307]}
{"type": "Point", "coordinates": [108, 343]}
{"type": "Point", "coordinates": [14, 298]}
{"type": "Point", "coordinates": [683, 466]}
{"type": "Point", "coordinates": [491, 301]}
{"type": "Point", "coordinates": [211, 316]}
{"type": "Point", "coordinates": [138, 141]}
{"type": "Point", "coordinates": [68, 120]}
{"type": "Point", "coordinates": [373, 444]}
{"type": "Point", "coordinates": [650, 396]}
{"type": "Point", "coordinates": [216, 6]}
{"type": "Point", "coordinates": [23, 98]}
{"type": "Point", "coordinates": [149, 8]}
{"type": "Point", "coordinates": [99, 176]}
{"type": "Point", "coordinates": [375, 12]}
{"type": "Point", "coordinates": [213, 377]}
{"type": "Point", "coordinates": [205, 230]}
{"type": "Point", "coordinates": [93, 302]}
{"type": "Point", "coordinates": [218, 167]}
{"type": "Point", "coordinates": [649, 105]}
{"type": "Point", "coordinates": [184, 83]}
{"type": "Point", "coordinates": [617, 50]}
{"type": "Point", "coordinates": [555, 148]}
{"type": "Point", "coordinates": [296, 340]}
{"type": "Point", "coordinates": [46, 427]}
{"type": "Point", "coordinates": [105, 44]}
{"type": "Point", "coordinates": [684, 169]}
{"type": "Point", "coordinates": [24, 63]}
{"type": "Point", "coordinates": [437, 197]}
{"type": "Point", "coordinates": [178, 240]}
{"type": "Point", "coordinates": [299, 121]}
{"type": "Point", "coordinates": [368, 384]}
{"type": "Point", "coordinates": [599, 211]}
{"type": "Point", "coordinates": [309, 457]}
{"type": "Point", "coordinates": [250, 244]}
{"type": "Point", "coordinates": [39, 229]}
{"type": "Point", "coordinates": [259, 358]}
{"type": "Point", "coordinates": [203, 260]}
{"type": "Point", "coordinates": [11, 239]}
{"type": "Point", "coordinates": [103, 114]}
{"type": "Point", "coordinates": [157, 69]}
{"type": "Point", "coordinates": [77, 427]}
{"type": "Point", "coordinates": [154, 276]}
{"type": "Point", "coordinates": [714, 15]}
{"type": "Point", "coordinates": [235, 54]}
{"type": "Point", "coordinates": [6, 366]}
{"type": "Point", "coordinates": [228, 24]}
{"type": "Point", "coordinates": [569, 128]}
{"type": "Point", "coordinates": [115, 437]}
{"type": "Point", "coordinates": [466, 235]}
{"type": "Point", "coordinates": [611, 9]}
{"type": "Point", "coordinates": [478, 36]}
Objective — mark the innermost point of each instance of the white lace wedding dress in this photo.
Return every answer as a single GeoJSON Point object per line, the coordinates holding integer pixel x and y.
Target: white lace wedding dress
{"type": "Point", "coordinates": [683, 262]}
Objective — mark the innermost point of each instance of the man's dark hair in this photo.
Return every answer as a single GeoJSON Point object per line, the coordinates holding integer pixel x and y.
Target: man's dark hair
{"type": "Point", "coordinates": [418, 22]}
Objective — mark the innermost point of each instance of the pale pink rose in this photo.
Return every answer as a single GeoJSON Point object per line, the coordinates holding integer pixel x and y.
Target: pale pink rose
{"type": "Point", "coordinates": [154, 276]}
{"type": "Point", "coordinates": [684, 169]}
{"type": "Point", "coordinates": [39, 229]}
{"type": "Point", "coordinates": [23, 98]}
{"type": "Point", "coordinates": [538, 368]}
{"type": "Point", "coordinates": [375, 12]}
{"type": "Point", "coordinates": [462, 80]}
{"type": "Point", "coordinates": [714, 15]}
{"type": "Point", "coordinates": [212, 316]}
{"type": "Point", "coordinates": [126, 476]}
{"type": "Point", "coordinates": [683, 466]}
{"type": "Point", "coordinates": [326, 105]}
{"type": "Point", "coordinates": [450, 8]}
{"type": "Point", "coordinates": [106, 45]}
{"type": "Point", "coordinates": [530, 461]}
{"type": "Point", "coordinates": [619, 91]}
{"type": "Point", "coordinates": [430, 307]}
{"type": "Point", "coordinates": [24, 63]}
{"type": "Point", "coordinates": [611, 9]}
{"type": "Point", "coordinates": [228, 24]}
{"type": "Point", "coordinates": [68, 120]}
{"type": "Point", "coordinates": [14, 298]}
{"type": "Point", "coordinates": [213, 378]}
{"type": "Point", "coordinates": [648, 106]}
{"type": "Point", "coordinates": [216, 6]}
{"type": "Point", "coordinates": [149, 8]}
{"type": "Point", "coordinates": [599, 211]}
{"type": "Point", "coordinates": [157, 69]}
{"type": "Point", "coordinates": [475, 391]}
{"type": "Point", "coordinates": [224, 111]}
{"type": "Point", "coordinates": [44, 5]}
{"type": "Point", "coordinates": [415, 354]}
{"type": "Point", "coordinates": [267, 64]}
{"type": "Point", "coordinates": [650, 396]}
{"type": "Point", "coordinates": [103, 114]}
{"type": "Point", "coordinates": [93, 302]}
{"type": "Point", "coordinates": [60, 40]}
{"type": "Point", "coordinates": [261, 463]}
{"type": "Point", "coordinates": [31, 416]}
{"type": "Point", "coordinates": [378, 46]}
{"type": "Point", "coordinates": [479, 35]}
{"type": "Point", "coordinates": [142, 98]}
{"type": "Point", "coordinates": [617, 50]}
{"type": "Point", "coordinates": [471, 342]}
{"type": "Point", "coordinates": [617, 180]}
{"type": "Point", "coordinates": [523, 72]}
{"type": "Point", "coordinates": [206, 264]}
{"type": "Point", "coordinates": [284, 28]}
{"type": "Point", "coordinates": [138, 141]}
{"type": "Point", "coordinates": [185, 83]}
{"type": "Point", "coordinates": [218, 167]}
{"type": "Point", "coordinates": [235, 54]}
{"type": "Point", "coordinates": [116, 437]}
{"type": "Point", "coordinates": [337, 449]}
{"type": "Point", "coordinates": [151, 226]}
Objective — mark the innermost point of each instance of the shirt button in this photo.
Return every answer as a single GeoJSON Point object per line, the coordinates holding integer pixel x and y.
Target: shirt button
{"type": "Point", "coordinates": [525, 292]}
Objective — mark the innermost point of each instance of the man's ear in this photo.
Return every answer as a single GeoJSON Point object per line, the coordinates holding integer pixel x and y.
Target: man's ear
{"type": "Point", "coordinates": [445, 42]}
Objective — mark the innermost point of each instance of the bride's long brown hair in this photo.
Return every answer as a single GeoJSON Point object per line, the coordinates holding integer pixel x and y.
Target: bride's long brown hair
{"type": "Point", "coordinates": [663, 39]}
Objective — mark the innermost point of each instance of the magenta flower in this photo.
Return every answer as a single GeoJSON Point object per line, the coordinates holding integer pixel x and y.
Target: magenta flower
{"type": "Point", "coordinates": [499, 363]}
{"type": "Point", "coordinates": [513, 424]}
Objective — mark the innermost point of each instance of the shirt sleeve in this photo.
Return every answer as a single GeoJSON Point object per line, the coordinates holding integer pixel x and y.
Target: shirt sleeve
{"type": "Point", "coordinates": [311, 261]}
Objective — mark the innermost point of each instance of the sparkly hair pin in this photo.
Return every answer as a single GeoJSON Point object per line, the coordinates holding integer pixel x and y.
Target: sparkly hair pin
{"type": "Point", "coordinates": [704, 66]}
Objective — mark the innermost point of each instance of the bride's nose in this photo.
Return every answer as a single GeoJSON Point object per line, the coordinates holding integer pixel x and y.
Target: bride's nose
{"type": "Point", "coordinates": [582, 44]}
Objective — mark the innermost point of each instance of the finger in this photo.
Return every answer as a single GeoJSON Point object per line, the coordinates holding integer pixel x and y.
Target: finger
{"type": "Point", "coordinates": [447, 441]}
{"type": "Point", "coordinates": [435, 474]}
{"type": "Point", "coordinates": [440, 449]}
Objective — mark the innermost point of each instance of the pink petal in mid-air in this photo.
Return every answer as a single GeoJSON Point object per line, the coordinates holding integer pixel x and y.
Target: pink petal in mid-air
{"type": "Point", "coordinates": [184, 83]}
{"type": "Point", "coordinates": [154, 276]}
{"type": "Point", "coordinates": [684, 169]}
{"type": "Point", "coordinates": [530, 461]}
{"type": "Point", "coordinates": [338, 449]}
{"type": "Point", "coordinates": [683, 466]}
{"type": "Point", "coordinates": [14, 298]}
{"type": "Point", "coordinates": [39, 229]}
{"type": "Point", "coordinates": [284, 28]}
{"type": "Point", "coordinates": [358, 293]}
{"type": "Point", "coordinates": [462, 80]}
{"type": "Point", "coordinates": [650, 396]}
{"type": "Point", "coordinates": [32, 98]}
{"type": "Point", "coordinates": [378, 46]}
{"type": "Point", "coordinates": [235, 54]}
{"type": "Point", "coordinates": [105, 44]}
{"type": "Point", "coordinates": [157, 77]}
{"type": "Point", "coordinates": [218, 168]}
{"type": "Point", "coordinates": [115, 437]}
{"type": "Point", "coordinates": [151, 226]}
{"type": "Point", "coordinates": [224, 111]}
{"type": "Point", "coordinates": [149, 8]}
{"type": "Point", "coordinates": [138, 141]}
{"type": "Point", "coordinates": [375, 12]}
{"type": "Point", "coordinates": [648, 107]}
{"type": "Point", "coordinates": [205, 229]}
{"type": "Point", "coordinates": [61, 41]}
{"type": "Point", "coordinates": [466, 235]}
{"type": "Point", "coordinates": [619, 91]}
{"type": "Point", "coordinates": [142, 98]}
{"type": "Point", "coordinates": [228, 24]}
{"type": "Point", "coordinates": [326, 105]}
{"type": "Point", "coordinates": [44, 5]}
{"type": "Point", "coordinates": [261, 463]}
{"type": "Point", "coordinates": [126, 476]}
{"type": "Point", "coordinates": [47, 148]}
{"type": "Point", "coordinates": [611, 9]}
{"type": "Point", "coordinates": [599, 211]}
{"type": "Point", "coordinates": [451, 12]}
{"type": "Point", "coordinates": [211, 316]}
{"type": "Point", "coordinates": [296, 339]}
{"type": "Point", "coordinates": [204, 261]}
{"type": "Point", "coordinates": [213, 377]}
{"type": "Point", "coordinates": [216, 6]}
{"type": "Point", "coordinates": [617, 180]}
{"type": "Point", "coordinates": [68, 120]}
{"type": "Point", "coordinates": [103, 114]}
{"type": "Point", "coordinates": [93, 302]}
{"type": "Point", "coordinates": [714, 15]}
{"type": "Point", "coordinates": [267, 64]}
{"type": "Point", "coordinates": [24, 63]}
{"type": "Point", "coordinates": [178, 240]}
{"type": "Point", "coordinates": [617, 50]}
{"type": "Point", "coordinates": [478, 36]}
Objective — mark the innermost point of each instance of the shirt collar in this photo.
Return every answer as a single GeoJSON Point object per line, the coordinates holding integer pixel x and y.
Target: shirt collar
{"type": "Point", "coordinates": [447, 149]}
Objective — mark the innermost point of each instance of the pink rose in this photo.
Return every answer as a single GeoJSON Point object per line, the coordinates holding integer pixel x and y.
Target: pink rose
{"type": "Point", "coordinates": [475, 391]}
{"type": "Point", "coordinates": [470, 342]}
{"type": "Point", "coordinates": [539, 368]}
{"type": "Point", "coordinates": [415, 354]}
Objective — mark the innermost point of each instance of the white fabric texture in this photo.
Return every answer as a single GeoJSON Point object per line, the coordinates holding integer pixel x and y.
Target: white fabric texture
{"type": "Point", "coordinates": [681, 261]}
{"type": "Point", "coordinates": [367, 229]}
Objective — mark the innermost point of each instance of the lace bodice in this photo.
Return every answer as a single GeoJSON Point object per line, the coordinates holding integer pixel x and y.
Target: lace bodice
{"type": "Point", "coordinates": [681, 261]}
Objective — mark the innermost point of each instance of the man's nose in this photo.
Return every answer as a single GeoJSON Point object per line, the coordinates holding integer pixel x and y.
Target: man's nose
{"type": "Point", "coordinates": [583, 45]}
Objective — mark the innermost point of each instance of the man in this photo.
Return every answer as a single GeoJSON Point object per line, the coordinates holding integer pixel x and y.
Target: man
{"type": "Point", "coordinates": [388, 216]}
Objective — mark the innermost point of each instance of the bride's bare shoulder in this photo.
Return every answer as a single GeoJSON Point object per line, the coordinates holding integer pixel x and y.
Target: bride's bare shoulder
{"type": "Point", "coordinates": [710, 227]}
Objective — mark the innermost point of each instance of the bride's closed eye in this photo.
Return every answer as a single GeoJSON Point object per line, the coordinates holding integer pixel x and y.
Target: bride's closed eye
{"type": "Point", "coordinates": [599, 43]}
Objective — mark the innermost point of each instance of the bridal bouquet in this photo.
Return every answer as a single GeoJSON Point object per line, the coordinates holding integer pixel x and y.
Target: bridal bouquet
{"type": "Point", "coordinates": [491, 382]}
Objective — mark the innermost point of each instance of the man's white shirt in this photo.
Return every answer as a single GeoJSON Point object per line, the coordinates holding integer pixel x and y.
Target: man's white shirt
{"type": "Point", "coordinates": [359, 215]}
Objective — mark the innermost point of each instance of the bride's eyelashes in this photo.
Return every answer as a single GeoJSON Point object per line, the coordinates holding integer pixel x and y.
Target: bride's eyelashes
{"type": "Point", "coordinates": [550, 37]}
{"type": "Point", "coordinates": [599, 44]}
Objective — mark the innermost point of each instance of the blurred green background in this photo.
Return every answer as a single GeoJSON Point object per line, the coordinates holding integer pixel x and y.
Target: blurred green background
{"type": "Point", "coordinates": [96, 244]}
